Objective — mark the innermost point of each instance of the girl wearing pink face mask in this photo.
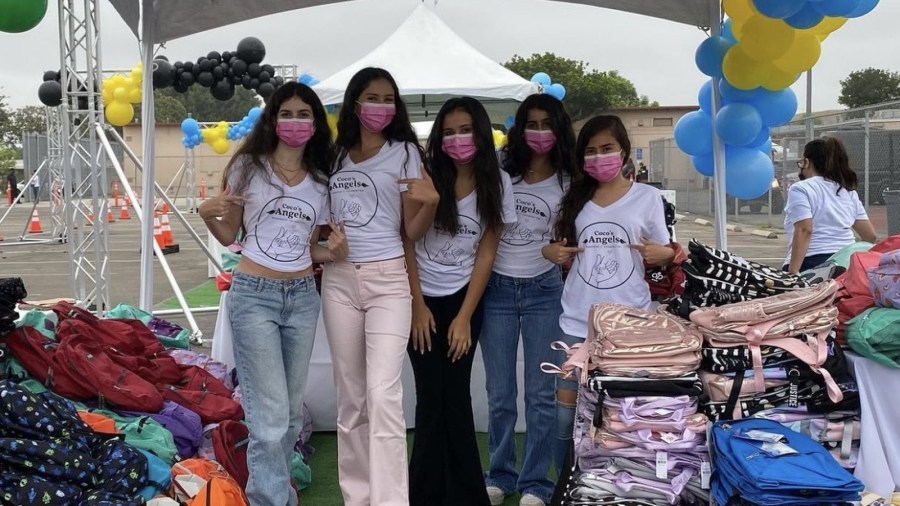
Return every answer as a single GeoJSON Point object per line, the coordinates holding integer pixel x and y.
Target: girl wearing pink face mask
{"type": "Point", "coordinates": [275, 189]}
{"type": "Point", "coordinates": [522, 301]}
{"type": "Point", "coordinates": [381, 194]}
{"type": "Point", "coordinates": [610, 226]}
{"type": "Point", "coordinates": [449, 269]}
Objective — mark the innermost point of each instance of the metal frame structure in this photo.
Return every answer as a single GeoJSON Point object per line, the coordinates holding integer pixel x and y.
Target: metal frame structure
{"type": "Point", "coordinates": [56, 177]}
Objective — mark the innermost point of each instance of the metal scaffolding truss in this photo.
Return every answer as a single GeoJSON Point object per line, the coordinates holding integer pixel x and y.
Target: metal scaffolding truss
{"type": "Point", "coordinates": [56, 176]}
{"type": "Point", "coordinates": [84, 181]}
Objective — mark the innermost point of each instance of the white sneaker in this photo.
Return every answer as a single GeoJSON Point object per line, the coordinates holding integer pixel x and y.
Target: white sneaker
{"type": "Point", "coordinates": [531, 500]}
{"type": "Point", "coordinates": [496, 495]}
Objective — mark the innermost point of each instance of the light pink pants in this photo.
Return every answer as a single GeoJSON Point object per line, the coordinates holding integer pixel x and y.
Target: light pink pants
{"type": "Point", "coordinates": [367, 312]}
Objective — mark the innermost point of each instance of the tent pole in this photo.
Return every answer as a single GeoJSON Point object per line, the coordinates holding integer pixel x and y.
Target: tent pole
{"type": "Point", "coordinates": [719, 208]}
{"type": "Point", "coordinates": [148, 123]}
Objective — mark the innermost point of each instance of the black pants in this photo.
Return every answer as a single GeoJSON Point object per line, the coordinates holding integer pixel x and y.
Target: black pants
{"type": "Point", "coordinates": [811, 261]}
{"type": "Point", "coordinates": [445, 468]}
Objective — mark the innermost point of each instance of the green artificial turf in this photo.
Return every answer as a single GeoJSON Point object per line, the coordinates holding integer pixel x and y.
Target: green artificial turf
{"type": "Point", "coordinates": [204, 295]}
{"type": "Point", "coordinates": [324, 490]}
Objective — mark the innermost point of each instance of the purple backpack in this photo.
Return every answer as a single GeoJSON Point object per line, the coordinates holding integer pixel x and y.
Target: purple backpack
{"type": "Point", "coordinates": [184, 425]}
{"type": "Point", "coordinates": [214, 367]}
{"type": "Point", "coordinates": [884, 280]}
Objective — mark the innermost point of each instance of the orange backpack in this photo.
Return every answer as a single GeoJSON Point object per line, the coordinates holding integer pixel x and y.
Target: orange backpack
{"type": "Point", "coordinates": [203, 482]}
{"type": "Point", "coordinates": [98, 422]}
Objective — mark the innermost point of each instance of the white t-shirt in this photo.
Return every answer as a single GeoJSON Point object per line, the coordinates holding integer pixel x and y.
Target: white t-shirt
{"type": "Point", "coordinates": [366, 198]}
{"type": "Point", "coordinates": [279, 219]}
{"type": "Point", "coordinates": [833, 214]}
{"type": "Point", "coordinates": [446, 261]}
{"type": "Point", "coordinates": [608, 270]}
{"type": "Point", "coordinates": [537, 207]}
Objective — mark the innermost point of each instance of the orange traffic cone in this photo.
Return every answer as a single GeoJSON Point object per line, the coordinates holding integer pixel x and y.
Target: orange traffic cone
{"type": "Point", "coordinates": [166, 231]}
{"type": "Point", "coordinates": [90, 220]}
{"type": "Point", "coordinates": [202, 188]}
{"type": "Point", "coordinates": [123, 212]}
{"type": "Point", "coordinates": [164, 208]}
{"type": "Point", "coordinates": [157, 231]}
{"type": "Point", "coordinates": [109, 215]}
{"type": "Point", "coordinates": [35, 226]}
{"type": "Point", "coordinates": [115, 192]}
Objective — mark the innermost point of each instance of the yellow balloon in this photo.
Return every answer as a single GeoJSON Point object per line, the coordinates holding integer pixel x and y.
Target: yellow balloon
{"type": "Point", "coordinates": [499, 139]}
{"type": "Point", "coordinates": [120, 94]}
{"type": "Point", "coordinates": [774, 79]}
{"type": "Point", "coordinates": [117, 80]}
{"type": "Point", "coordinates": [765, 39]}
{"type": "Point", "coordinates": [119, 113]}
{"type": "Point", "coordinates": [739, 9]}
{"type": "Point", "coordinates": [220, 146]}
{"type": "Point", "coordinates": [207, 134]}
{"type": "Point", "coordinates": [108, 95]}
{"type": "Point", "coordinates": [802, 56]}
{"type": "Point", "coordinates": [134, 95]}
{"type": "Point", "coordinates": [332, 125]}
{"type": "Point", "coordinates": [737, 28]}
{"type": "Point", "coordinates": [826, 26]}
{"type": "Point", "coordinates": [740, 70]}
{"type": "Point", "coordinates": [108, 84]}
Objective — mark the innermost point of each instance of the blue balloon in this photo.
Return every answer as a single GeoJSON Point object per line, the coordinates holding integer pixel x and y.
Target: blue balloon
{"type": "Point", "coordinates": [556, 91]}
{"type": "Point", "coordinates": [738, 124]}
{"type": "Point", "coordinates": [509, 121]}
{"type": "Point", "coordinates": [197, 138]}
{"type": "Point", "coordinates": [732, 94]}
{"type": "Point", "coordinates": [835, 8]}
{"type": "Point", "coordinates": [728, 31]}
{"type": "Point", "coordinates": [776, 107]}
{"type": "Point", "coordinates": [766, 147]}
{"type": "Point", "coordinates": [704, 97]}
{"type": "Point", "coordinates": [190, 126]}
{"type": "Point", "coordinates": [710, 54]}
{"type": "Point", "coordinates": [704, 164]}
{"type": "Point", "coordinates": [865, 6]}
{"type": "Point", "coordinates": [760, 139]}
{"type": "Point", "coordinates": [254, 113]}
{"type": "Point", "coordinates": [330, 108]}
{"type": "Point", "coordinates": [807, 17]}
{"type": "Point", "coordinates": [778, 9]}
{"type": "Point", "coordinates": [748, 173]}
{"type": "Point", "coordinates": [693, 133]}
{"type": "Point", "coordinates": [541, 78]}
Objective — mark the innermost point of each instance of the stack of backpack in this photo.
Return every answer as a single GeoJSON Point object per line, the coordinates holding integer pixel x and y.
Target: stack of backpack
{"type": "Point", "coordinates": [12, 290]}
{"type": "Point", "coordinates": [715, 277]}
{"type": "Point", "coordinates": [638, 434]}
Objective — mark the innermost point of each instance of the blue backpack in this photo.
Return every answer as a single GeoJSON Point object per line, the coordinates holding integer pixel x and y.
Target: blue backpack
{"type": "Point", "coordinates": [763, 462]}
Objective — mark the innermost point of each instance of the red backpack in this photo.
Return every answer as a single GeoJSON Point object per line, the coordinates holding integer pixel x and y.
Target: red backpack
{"type": "Point", "coordinates": [230, 441]}
{"type": "Point", "coordinates": [212, 408]}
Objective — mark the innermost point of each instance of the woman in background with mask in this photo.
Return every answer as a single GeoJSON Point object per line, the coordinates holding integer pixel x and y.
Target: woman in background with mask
{"type": "Point", "coordinates": [610, 226]}
{"type": "Point", "coordinates": [449, 269]}
{"type": "Point", "coordinates": [379, 192]}
{"type": "Point", "coordinates": [523, 297]}
{"type": "Point", "coordinates": [275, 188]}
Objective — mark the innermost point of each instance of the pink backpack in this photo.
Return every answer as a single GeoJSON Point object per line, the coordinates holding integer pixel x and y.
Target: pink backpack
{"type": "Point", "coordinates": [884, 280]}
{"type": "Point", "coordinates": [777, 321]}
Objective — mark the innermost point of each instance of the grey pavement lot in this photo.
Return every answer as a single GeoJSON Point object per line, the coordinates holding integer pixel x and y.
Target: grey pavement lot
{"type": "Point", "coordinates": [44, 267]}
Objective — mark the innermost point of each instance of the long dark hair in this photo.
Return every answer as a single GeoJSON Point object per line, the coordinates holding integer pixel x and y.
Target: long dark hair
{"type": "Point", "coordinates": [830, 159]}
{"type": "Point", "coordinates": [581, 192]}
{"type": "Point", "coordinates": [487, 170]}
{"type": "Point", "coordinates": [349, 133]}
{"type": "Point", "coordinates": [318, 154]}
{"type": "Point", "coordinates": [518, 154]}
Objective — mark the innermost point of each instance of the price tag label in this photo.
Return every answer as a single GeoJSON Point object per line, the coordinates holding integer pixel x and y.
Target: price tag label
{"type": "Point", "coordinates": [662, 465]}
{"type": "Point", "coordinates": [705, 473]}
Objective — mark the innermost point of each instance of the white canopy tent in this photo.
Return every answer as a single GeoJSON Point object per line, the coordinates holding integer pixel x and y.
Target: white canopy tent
{"type": "Point", "coordinates": [426, 57]}
{"type": "Point", "coordinates": [156, 21]}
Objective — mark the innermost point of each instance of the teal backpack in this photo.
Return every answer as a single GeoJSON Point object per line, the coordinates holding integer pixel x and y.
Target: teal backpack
{"type": "Point", "coordinates": [875, 334]}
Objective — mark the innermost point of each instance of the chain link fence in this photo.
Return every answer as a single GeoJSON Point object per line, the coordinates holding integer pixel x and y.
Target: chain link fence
{"type": "Point", "coordinates": [871, 136]}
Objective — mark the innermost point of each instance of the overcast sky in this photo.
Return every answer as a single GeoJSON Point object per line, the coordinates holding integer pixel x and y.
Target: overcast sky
{"type": "Point", "coordinates": [656, 55]}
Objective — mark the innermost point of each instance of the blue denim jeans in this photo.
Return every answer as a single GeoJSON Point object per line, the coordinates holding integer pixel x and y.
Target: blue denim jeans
{"type": "Point", "coordinates": [529, 307]}
{"type": "Point", "coordinates": [274, 326]}
{"type": "Point", "coordinates": [565, 415]}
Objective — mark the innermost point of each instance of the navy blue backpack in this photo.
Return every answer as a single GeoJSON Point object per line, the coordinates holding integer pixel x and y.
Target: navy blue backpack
{"type": "Point", "coordinates": [758, 461]}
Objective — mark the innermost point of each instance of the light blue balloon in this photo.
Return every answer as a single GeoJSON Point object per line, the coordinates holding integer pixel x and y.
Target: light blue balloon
{"type": "Point", "coordinates": [766, 147]}
{"type": "Point", "coordinates": [748, 172]}
{"type": "Point", "coordinates": [807, 17]}
{"type": "Point", "coordinates": [776, 108]}
{"type": "Point", "coordinates": [709, 55]}
{"type": "Point", "coordinates": [541, 78]}
{"type": "Point", "coordinates": [738, 124]}
{"type": "Point", "coordinates": [835, 8]}
{"type": "Point", "coordinates": [728, 31]}
{"type": "Point", "coordinates": [865, 6]}
{"type": "Point", "coordinates": [704, 97]}
{"type": "Point", "coordinates": [197, 138]}
{"type": "Point", "coordinates": [704, 164]}
{"type": "Point", "coordinates": [254, 113]}
{"type": "Point", "coordinates": [693, 133]}
{"type": "Point", "coordinates": [760, 139]}
{"type": "Point", "coordinates": [778, 9]}
{"type": "Point", "coordinates": [732, 94]}
{"type": "Point", "coordinates": [190, 126]}
{"type": "Point", "coordinates": [556, 91]}
{"type": "Point", "coordinates": [509, 121]}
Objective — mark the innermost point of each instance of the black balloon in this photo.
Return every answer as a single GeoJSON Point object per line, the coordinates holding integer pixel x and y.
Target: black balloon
{"type": "Point", "coordinates": [163, 73]}
{"type": "Point", "coordinates": [254, 83]}
{"type": "Point", "coordinates": [51, 75]}
{"type": "Point", "coordinates": [251, 50]}
{"type": "Point", "coordinates": [178, 65]}
{"type": "Point", "coordinates": [214, 55]}
{"type": "Point", "coordinates": [264, 76]}
{"type": "Point", "coordinates": [206, 79]}
{"type": "Point", "coordinates": [188, 66]}
{"type": "Point", "coordinates": [180, 87]}
{"type": "Point", "coordinates": [270, 69]}
{"type": "Point", "coordinates": [227, 56]}
{"type": "Point", "coordinates": [223, 90]}
{"type": "Point", "coordinates": [266, 89]}
{"type": "Point", "coordinates": [239, 67]}
{"type": "Point", "coordinates": [50, 93]}
{"type": "Point", "coordinates": [218, 73]}
{"type": "Point", "coordinates": [279, 81]}
{"type": "Point", "coordinates": [205, 65]}
{"type": "Point", "coordinates": [160, 57]}
{"type": "Point", "coordinates": [186, 78]}
{"type": "Point", "coordinates": [254, 69]}
{"type": "Point", "coordinates": [246, 80]}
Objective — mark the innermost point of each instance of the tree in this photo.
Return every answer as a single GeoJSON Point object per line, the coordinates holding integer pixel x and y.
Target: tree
{"type": "Point", "coordinates": [168, 109]}
{"type": "Point", "coordinates": [869, 86]}
{"type": "Point", "coordinates": [588, 91]}
{"type": "Point", "coordinates": [8, 157]}
{"type": "Point", "coordinates": [7, 136]}
{"type": "Point", "coordinates": [31, 118]}
{"type": "Point", "coordinates": [202, 106]}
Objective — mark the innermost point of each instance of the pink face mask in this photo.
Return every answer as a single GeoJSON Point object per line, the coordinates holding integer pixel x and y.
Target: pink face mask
{"type": "Point", "coordinates": [376, 117]}
{"type": "Point", "coordinates": [461, 148]}
{"type": "Point", "coordinates": [295, 132]}
{"type": "Point", "coordinates": [603, 167]}
{"type": "Point", "coordinates": [540, 141]}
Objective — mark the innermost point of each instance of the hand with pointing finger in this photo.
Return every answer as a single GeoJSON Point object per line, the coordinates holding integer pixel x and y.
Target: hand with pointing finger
{"type": "Point", "coordinates": [559, 253]}
{"type": "Point", "coordinates": [219, 206]}
{"type": "Point", "coordinates": [654, 254]}
{"type": "Point", "coordinates": [421, 190]}
{"type": "Point", "coordinates": [337, 242]}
